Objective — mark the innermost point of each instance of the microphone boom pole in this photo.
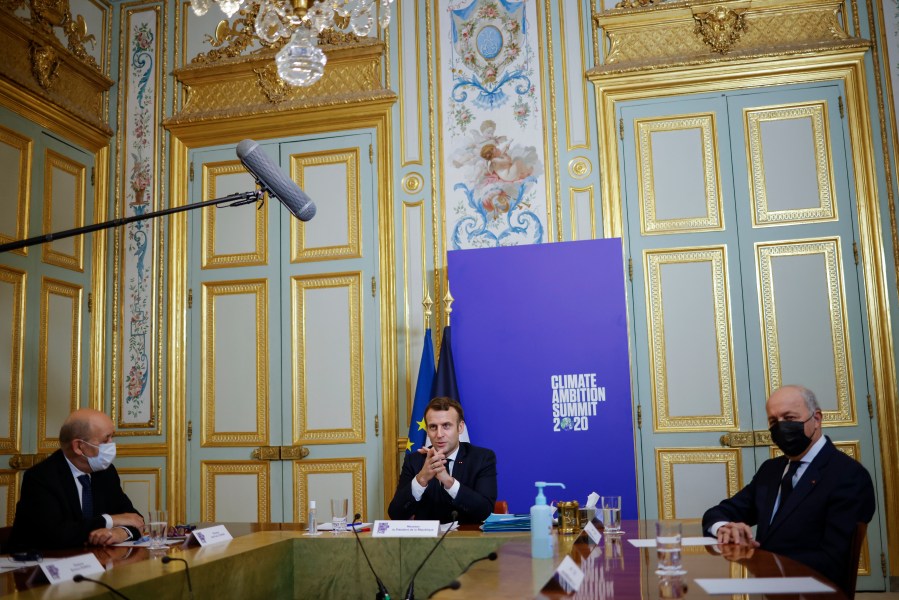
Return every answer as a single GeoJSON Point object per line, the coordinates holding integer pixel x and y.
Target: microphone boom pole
{"type": "Point", "coordinates": [231, 200]}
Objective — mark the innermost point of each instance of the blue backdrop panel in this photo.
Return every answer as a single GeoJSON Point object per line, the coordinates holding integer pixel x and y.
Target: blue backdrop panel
{"type": "Point", "coordinates": [541, 351]}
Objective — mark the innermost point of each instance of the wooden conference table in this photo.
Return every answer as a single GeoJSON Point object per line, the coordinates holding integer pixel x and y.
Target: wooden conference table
{"type": "Point", "coordinates": [276, 560]}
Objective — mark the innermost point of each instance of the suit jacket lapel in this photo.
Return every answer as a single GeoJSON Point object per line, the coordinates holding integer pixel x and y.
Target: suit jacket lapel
{"type": "Point", "coordinates": [810, 478]}
{"type": "Point", "coordinates": [68, 484]}
{"type": "Point", "coordinates": [460, 463]}
{"type": "Point", "coordinates": [770, 498]}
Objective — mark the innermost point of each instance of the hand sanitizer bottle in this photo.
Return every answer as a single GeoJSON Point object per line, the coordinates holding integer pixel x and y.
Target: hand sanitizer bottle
{"type": "Point", "coordinates": [312, 523]}
{"type": "Point", "coordinates": [542, 538]}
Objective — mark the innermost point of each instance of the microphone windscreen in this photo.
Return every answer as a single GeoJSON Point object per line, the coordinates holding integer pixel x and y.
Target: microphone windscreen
{"type": "Point", "coordinates": [454, 585]}
{"type": "Point", "coordinates": [166, 559]}
{"type": "Point", "coordinates": [491, 556]}
{"type": "Point", "coordinates": [274, 181]}
{"type": "Point", "coordinates": [357, 516]}
{"type": "Point", "coordinates": [78, 578]}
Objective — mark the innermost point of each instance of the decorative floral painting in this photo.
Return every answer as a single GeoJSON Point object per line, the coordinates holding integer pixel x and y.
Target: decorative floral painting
{"type": "Point", "coordinates": [494, 186]}
{"type": "Point", "coordinates": [139, 190]}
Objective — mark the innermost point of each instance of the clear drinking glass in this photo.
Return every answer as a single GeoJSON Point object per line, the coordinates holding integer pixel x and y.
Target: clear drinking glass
{"type": "Point", "coordinates": [669, 536]}
{"type": "Point", "coordinates": [611, 513]}
{"type": "Point", "coordinates": [157, 526]}
{"type": "Point", "coordinates": [339, 507]}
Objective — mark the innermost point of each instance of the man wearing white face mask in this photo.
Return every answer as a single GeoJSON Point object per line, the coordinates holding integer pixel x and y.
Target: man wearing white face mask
{"type": "Point", "coordinates": [75, 497]}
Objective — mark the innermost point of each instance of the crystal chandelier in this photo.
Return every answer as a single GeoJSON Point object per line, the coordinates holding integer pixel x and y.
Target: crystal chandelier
{"type": "Point", "coordinates": [301, 62]}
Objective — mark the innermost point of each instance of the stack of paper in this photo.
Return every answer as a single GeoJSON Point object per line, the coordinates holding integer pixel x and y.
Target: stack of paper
{"type": "Point", "coordinates": [497, 522]}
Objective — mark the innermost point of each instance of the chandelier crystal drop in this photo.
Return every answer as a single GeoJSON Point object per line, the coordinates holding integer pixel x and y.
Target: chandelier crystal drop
{"type": "Point", "coordinates": [301, 62]}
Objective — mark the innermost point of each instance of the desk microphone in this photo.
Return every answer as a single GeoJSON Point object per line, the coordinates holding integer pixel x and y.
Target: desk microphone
{"type": "Point", "coordinates": [79, 578]}
{"type": "Point", "coordinates": [410, 591]}
{"type": "Point", "coordinates": [167, 559]}
{"type": "Point", "coordinates": [382, 594]}
{"type": "Point", "coordinates": [455, 584]}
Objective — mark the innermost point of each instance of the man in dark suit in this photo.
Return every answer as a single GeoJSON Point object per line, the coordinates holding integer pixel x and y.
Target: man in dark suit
{"type": "Point", "coordinates": [805, 503]}
{"type": "Point", "coordinates": [75, 497]}
{"type": "Point", "coordinates": [449, 476]}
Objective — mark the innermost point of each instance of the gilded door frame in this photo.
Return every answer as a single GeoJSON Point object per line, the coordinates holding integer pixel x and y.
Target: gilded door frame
{"type": "Point", "coordinates": [95, 140]}
{"type": "Point", "coordinates": [374, 114]}
{"type": "Point", "coordinates": [844, 65]}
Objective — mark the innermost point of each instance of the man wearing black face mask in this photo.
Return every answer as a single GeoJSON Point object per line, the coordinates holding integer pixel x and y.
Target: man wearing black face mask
{"type": "Point", "coordinates": [75, 496]}
{"type": "Point", "coordinates": [805, 503]}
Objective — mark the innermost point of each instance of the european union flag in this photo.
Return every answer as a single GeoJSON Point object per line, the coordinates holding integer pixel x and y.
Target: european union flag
{"type": "Point", "coordinates": [445, 381]}
{"type": "Point", "coordinates": [418, 431]}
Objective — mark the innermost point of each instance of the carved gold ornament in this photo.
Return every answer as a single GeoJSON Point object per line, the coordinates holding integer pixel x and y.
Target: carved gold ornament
{"type": "Point", "coordinates": [76, 32]}
{"type": "Point", "coordinates": [720, 28]}
{"type": "Point", "coordinates": [44, 65]}
{"type": "Point", "coordinates": [635, 3]}
{"type": "Point", "coordinates": [271, 85]}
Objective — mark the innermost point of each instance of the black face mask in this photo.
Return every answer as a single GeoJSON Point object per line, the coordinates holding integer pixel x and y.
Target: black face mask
{"type": "Point", "coordinates": [790, 436]}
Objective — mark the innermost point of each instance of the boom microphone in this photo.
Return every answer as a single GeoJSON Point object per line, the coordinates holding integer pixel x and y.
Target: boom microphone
{"type": "Point", "coordinates": [410, 591]}
{"type": "Point", "coordinates": [167, 559]}
{"type": "Point", "coordinates": [273, 180]}
{"type": "Point", "coordinates": [79, 578]}
{"type": "Point", "coordinates": [382, 594]}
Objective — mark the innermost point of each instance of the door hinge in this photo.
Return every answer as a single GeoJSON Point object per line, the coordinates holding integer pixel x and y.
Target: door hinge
{"type": "Point", "coordinates": [190, 298]}
{"type": "Point", "coordinates": [840, 105]}
{"type": "Point", "coordinates": [191, 171]}
{"type": "Point", "coordinates": [630, 269]}
{"type": "Point", "coordinates": [93, 176]}
{"type": "Point", "coordinates": [371, 154]}
{"type": "Point", "coordinates": [190, 430]}
{"type": "Point", "coordinates": [855, 252]}
{"type": "Point", "coordinates": [280, 453]}
{"type": "Point", "coordinates": [90, 302]}
{"type": "Point", "coordinates": [374, 286]}
{"type": "Point", "coordinates": [870, 407]}
{"type": "Point", "coordinates": [621, 129]}
{"type": "Point", "coordinates": [639, 417]}
{"type": "Point", "coordinates": [377, 426]}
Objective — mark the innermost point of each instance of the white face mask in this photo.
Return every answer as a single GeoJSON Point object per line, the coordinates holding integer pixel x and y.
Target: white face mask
{"type": "Point", "coordinates": [103, 459]}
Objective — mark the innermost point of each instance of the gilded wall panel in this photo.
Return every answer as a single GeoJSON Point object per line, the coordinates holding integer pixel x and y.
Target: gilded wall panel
{"type": "Point", "coordinates": [64, 203]}
{"type": "Point", "coordinates": [796, 184]}
{"type": "Point", "coordinates": [236, 491]}
{"type": "Point", "coordinates": [323, 479]}
{"type": "Point", "coordinates": [234, 388]}
{"type": "Point", "coordinates": [409, 77]}
{"type": "Point", "coordinates": [689, 328]}
{"type": "Point", "coordinates": [12, 346]}
{"type": "Point", "coordinates": [414, 291]}
{"type": "Point", "coordinates": [234, 236]}
{"type": "Point", "coordinates": [692, 479]}
{"type": "Point", "coordinates": [581, 206]}
{"type": "Point", "coordinates": [327, 360]}
{"type": "Point", "coordinates": [9, 487]}
{"type": "Point", "coordinates": [337, 233]}
{"type": "Point", "coordinates": [803, 320]}
{"type": "Point", "coordinates": [144, 488]}
{"type": "Point", "coordinates": [677, 167]}
{"type": "Point", "coordinates": [59, 359]}
{"type": "Point", "coordinates": [15, 170]}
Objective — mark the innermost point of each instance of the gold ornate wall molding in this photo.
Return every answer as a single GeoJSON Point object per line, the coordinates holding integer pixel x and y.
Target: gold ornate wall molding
{"type": "Point", "coordinates": [248, 86]}
{"type": "Point", "coordinates": [37, 71]}
{"type": "Point", "coordinates": [649, 36]}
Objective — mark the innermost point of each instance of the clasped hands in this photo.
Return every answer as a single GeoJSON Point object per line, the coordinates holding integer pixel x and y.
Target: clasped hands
{"type": "Point", "coordinates": [106, 536]}
{"type": "Point", "coordinates": [434, 467]}
{"type": "Point", "coordinates": [736, 542]}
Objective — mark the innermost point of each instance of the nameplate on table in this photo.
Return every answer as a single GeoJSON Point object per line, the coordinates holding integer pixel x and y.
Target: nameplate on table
{"type": "Point", "coordinates": [406, 529]}
{"type": "Point", "coordinates": [570, 574]}
{"type": "Point", "coordinates": [765, 585]}
{"type": "Point", "coordinates": [208, 536]}
{"type": "Point", "coordinates": [592, 532]}
{"type": "Point", "coordinates": [65, 569]}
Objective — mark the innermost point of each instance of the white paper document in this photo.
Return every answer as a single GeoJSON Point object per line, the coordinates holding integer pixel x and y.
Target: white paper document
{"type": "Point", "coordinates": [349, 526]}
{"type": "Point", "coordinates": [765, 585]}
{"type": "Point", "coordinates": [687, 541]}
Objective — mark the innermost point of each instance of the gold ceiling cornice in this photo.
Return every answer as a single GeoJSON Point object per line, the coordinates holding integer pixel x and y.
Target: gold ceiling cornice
{"type": "Point", "coordinates": [43, 71]}
{"type": "Point", "coordinates": [653, 36]}
{"type": "Point", "coordinates": [247, 86]}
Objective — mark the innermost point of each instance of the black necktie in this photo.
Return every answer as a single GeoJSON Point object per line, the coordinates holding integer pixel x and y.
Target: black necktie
{"type": "Point", "coordinates": [87, 496]}
{"type": "Point", "coordinates": [786, 484]}
{"type": "Point", "coordinates": [449, 466]}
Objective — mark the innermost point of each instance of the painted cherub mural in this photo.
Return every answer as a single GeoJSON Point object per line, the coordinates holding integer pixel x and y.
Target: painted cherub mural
{"type": "Point", "coordinates": [499, 183]}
